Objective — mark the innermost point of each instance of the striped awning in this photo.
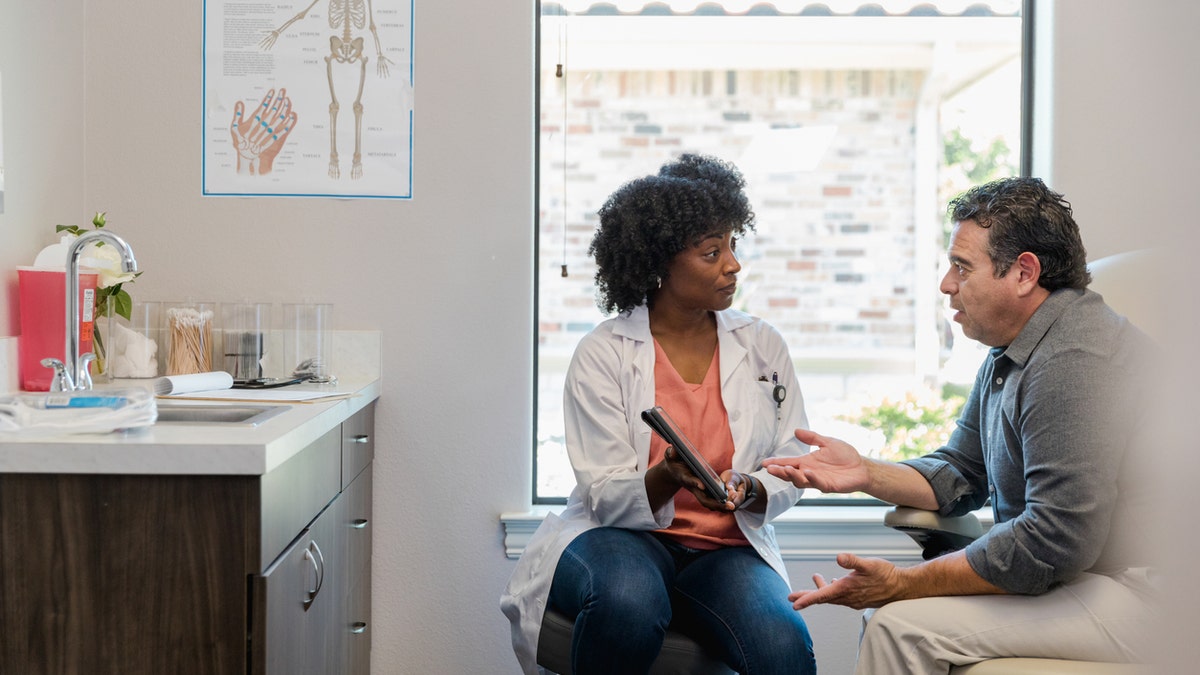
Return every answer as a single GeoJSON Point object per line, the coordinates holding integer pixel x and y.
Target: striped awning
{"type": "Point", "coordinates": [787, 7]}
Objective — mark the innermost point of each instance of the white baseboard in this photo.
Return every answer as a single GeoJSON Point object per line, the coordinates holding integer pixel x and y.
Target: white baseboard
{"type": "Point", "coordinates": [804, 532]}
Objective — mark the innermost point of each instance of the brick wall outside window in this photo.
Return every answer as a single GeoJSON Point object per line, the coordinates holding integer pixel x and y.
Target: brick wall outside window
{"type": "Point", "coordinates": [832, 262]}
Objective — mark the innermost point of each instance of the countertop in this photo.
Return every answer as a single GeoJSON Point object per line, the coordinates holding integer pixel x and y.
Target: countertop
{"type": "Point", "coordinates": [197, 449]}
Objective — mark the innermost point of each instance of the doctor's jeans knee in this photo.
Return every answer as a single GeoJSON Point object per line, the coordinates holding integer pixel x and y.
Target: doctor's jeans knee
{"type": "Point", "coordinates": [615, 582]}
{"type": "Point", "coordinates": [732, 599]}
{"type": "Point", "coordinates": [626, 586]}
{"type": "Point", "coordinates": [1093, 618]}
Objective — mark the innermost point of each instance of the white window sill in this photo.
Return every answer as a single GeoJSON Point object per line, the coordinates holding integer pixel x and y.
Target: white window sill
{"type": "Point", "coordinates": [804, 533]}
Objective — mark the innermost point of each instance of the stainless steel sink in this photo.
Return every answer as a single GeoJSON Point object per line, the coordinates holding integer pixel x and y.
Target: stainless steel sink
{"type": "Point", "coordinates": [240, 414]}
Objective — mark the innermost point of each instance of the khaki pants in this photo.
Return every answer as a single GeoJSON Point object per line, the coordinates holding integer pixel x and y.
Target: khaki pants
{"type": "Point", "coordinates": [1093, 618]}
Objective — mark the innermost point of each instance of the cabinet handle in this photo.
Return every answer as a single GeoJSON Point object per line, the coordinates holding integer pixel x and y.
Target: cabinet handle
{"type": "Point", "coordinates": [313, 555]}
{"type": "Point", "coordinates": [358, 627]}
{"type": "Point", "coordinates": [359, 523]}
{"type": "Point", "coordinates": [362, 438]}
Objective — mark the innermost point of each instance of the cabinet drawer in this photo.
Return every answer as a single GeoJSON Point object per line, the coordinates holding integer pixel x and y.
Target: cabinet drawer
{"type": "Point", "coordinates": [358, 443]}
{"type": "Point", "coordinates": [295, 603]}
{"type": "Point", "coordinates": [295, 492]}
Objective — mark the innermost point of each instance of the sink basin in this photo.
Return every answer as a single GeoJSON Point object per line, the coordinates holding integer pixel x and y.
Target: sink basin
{"type": "Point", "coordinates": [241, 414]}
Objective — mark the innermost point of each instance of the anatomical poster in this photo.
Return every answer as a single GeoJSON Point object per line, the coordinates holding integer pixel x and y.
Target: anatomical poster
{"type": "Point", "coordinates": [308, 98]}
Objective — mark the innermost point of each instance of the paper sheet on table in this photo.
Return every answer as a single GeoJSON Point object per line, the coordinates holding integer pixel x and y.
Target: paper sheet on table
{"type": "Point", "coordinates": [264, 395]}
{"type": "Point", "coordinates": [186, 384]}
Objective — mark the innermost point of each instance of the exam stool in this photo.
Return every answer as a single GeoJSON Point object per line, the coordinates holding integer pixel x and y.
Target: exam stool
{"type": "Point", "coordinates": [680, 654]}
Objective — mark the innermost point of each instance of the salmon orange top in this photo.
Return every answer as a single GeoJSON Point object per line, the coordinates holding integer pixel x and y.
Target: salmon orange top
{"type": "Point", "coordinates": [700, 413]}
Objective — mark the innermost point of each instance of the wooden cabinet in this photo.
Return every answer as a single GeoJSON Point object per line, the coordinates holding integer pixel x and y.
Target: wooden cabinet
{"type": "Point", "coordinates": [314, 599]}
{"type": "Point", "coordinates": [123, 574]}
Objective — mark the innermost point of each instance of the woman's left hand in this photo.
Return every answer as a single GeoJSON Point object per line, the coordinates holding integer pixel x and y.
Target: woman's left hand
{"type": "Point", "coordinates": [737, 485]}
{"type": "Point", "coordinates": [735, 491]}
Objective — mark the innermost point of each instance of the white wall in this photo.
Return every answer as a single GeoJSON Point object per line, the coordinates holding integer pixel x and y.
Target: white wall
{"type": "Point", "coordinates": [1125, 147]}
{"type": "Point", "coordinates": [42, 53]}
{"type": "Point", "coordinates": [102, 112]}
{"type": "Point", "coordinates": [1123, 118]}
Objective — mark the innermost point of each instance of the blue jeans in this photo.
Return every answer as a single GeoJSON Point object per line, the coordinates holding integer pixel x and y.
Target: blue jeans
{"type": "Point", "coordinates": [625, 587]}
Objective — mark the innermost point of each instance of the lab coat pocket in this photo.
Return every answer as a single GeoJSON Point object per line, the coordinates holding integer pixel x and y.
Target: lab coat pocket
{"type": "Point", "coordinates": [765, 413]}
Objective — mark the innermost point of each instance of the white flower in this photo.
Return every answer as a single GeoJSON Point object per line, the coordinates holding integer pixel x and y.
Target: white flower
{"type": "Point", "coordinates": [106, 261]}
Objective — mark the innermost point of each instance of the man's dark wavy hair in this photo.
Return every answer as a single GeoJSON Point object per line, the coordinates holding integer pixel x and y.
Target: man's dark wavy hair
{"type": "Point", "coordinates": [1022, 214]}
{"type": "Point", "coordinates": [649, 220]}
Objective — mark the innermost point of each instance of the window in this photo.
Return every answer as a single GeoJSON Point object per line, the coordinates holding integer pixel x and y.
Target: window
{"type": "Point", "coordinates": [853, 124]}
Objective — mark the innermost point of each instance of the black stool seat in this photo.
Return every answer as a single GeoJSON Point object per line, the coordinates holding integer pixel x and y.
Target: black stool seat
{"type": "Point", "coordinates": [680, 654]}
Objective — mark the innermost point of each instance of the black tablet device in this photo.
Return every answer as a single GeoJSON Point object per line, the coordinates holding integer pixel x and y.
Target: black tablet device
{"type": "Point", "coordinates": [665, 427]}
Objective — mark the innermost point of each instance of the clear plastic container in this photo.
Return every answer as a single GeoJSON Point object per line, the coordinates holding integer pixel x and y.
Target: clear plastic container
{"type": "Point", "coordinates": [245, 327]}
{"type": "Point", "coordinates": [189, 328]}
{"type": "Point", "coordinates": [307, 343]}
{"type": "Point", "coordinates": [133, 347]}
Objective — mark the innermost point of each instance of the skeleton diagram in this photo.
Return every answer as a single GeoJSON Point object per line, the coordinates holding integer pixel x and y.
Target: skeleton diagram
{"type": "Point", "coordinates": [351, 16]}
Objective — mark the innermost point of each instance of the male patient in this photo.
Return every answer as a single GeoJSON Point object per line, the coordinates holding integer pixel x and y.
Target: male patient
{"type": "Point", "coordinates": [1048, 433]}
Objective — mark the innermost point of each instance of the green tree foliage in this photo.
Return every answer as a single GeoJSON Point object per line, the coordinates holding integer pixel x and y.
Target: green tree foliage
{"type": "Point", "coordinates": [914, 425]}
{"type": "Point", "coordinates": [977, 166]}
{"type": "Point", "coordinates": [965, 166]}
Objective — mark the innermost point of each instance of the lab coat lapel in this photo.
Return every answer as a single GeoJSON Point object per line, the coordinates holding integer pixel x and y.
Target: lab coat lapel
{"type": "Point", "coordinates": [735, 356]}
{"type": "Point", "coordinates": [733, 352]}
{"type": "Point", "coordinates": [637, 387]}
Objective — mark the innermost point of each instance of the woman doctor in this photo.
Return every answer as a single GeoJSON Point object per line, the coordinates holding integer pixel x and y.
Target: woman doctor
{"type": "Point", "coordinates": [640, 545]}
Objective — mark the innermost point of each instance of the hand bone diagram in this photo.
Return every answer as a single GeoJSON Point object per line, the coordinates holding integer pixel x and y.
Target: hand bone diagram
{"type": "Point", "coordinates": [259, 137]}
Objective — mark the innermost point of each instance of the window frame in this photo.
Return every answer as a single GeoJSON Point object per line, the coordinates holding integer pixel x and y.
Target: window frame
{"type": "Point", "coordinates": [1025, 163]}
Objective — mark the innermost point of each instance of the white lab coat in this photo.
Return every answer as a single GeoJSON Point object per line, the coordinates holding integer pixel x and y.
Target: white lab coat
{"type": "Point", "coordinates": [609, 383]}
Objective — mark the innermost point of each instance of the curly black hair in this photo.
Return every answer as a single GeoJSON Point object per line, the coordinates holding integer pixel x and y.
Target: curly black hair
{"type": "Point", "coordinates": [650, 220]}
{"type": "Point", "coordinates": [1022, 214]}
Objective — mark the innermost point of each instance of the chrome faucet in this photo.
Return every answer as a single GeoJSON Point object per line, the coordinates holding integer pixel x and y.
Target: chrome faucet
{"type": "Point", "coordinates": [71, 374]}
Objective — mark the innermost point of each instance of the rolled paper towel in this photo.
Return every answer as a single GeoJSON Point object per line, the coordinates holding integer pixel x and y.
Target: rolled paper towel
{"type": "Point", "coordinates": [187, 384]}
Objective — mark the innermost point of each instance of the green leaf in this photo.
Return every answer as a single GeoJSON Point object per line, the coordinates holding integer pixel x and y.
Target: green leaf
{"type": "Point", "coordinates": [123, 304]}
{"type": "Point", "coordinates": [73, 229]}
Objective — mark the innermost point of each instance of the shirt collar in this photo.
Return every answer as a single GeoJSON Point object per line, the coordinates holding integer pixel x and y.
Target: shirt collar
{"type": "Point", "coordinates": [1039, 324]}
